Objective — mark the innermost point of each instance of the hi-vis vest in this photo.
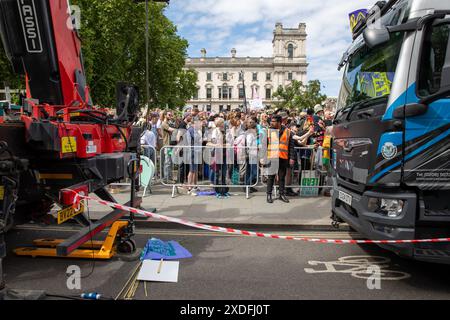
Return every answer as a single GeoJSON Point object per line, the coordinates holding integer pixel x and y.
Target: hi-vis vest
{"type": "Point", "coordinates": [278, 147]}
{"type": "Point", "coordinates": [326, 149]}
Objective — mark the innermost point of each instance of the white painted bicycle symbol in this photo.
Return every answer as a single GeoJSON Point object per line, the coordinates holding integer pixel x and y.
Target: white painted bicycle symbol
{"type": "Point", "coordinates": [359, 267]}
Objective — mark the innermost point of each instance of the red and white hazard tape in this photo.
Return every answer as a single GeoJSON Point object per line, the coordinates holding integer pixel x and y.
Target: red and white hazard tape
{"type": "Point", "coordinates": [249, 233]}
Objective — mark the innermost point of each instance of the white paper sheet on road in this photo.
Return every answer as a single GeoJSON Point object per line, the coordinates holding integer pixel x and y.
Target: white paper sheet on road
{"type": "Point", "coordinates": [168, 271]}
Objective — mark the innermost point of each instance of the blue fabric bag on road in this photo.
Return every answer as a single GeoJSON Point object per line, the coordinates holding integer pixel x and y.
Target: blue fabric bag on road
{"type": "Point", "coordinates": [156, 249]}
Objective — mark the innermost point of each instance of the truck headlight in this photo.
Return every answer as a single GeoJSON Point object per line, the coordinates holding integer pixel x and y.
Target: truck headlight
{"type": "Point", "coordinates": [391, 208]}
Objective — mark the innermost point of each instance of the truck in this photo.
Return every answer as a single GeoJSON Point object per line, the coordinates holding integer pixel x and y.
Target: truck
{"type": "Point", "coordinates": [57, 143]}
{"type": "Point", "coordinates": [391, 134]}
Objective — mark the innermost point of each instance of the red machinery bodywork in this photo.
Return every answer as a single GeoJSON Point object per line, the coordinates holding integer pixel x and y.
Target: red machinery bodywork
{"type": "Point", "coordinates": [91, 138]}
{"type": "Point", "coordinates": [67, 142]}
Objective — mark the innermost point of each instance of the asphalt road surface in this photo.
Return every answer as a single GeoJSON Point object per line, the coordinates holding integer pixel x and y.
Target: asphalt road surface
{"type": "Point", "coordinates": [236, 267]}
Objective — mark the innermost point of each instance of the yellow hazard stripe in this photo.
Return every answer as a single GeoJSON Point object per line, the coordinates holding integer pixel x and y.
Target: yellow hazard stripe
{"type": "Point", "coordinates": [55, 176]}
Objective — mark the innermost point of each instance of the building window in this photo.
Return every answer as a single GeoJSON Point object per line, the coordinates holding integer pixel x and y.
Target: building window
{"type": "Point", "coordinates": [290, 76]}
{"type": "Point", "coordinates": [225, 92]}
{"type": "Point", "coordinates": [229, 107]}
{"type": "Point", "coordinates": [434, 61]}
{"type": "Point", "coordinates": [241, 93]}
{"type": "Point", "coordinates": [268, 93]}
{"type": "Point", "coordinates": [195, 96]}
{"type": "Point", "coordinates": [290, 51]}
{"type": "Point", "coordinates": [208, 93]}
{"type": "Point", "coordinates": [225, 76]}
{"type": "Point", "coordinates": [220, 108]}
{"type": "Point", "coordinates": [255, 76]}
{"type": "Point", "coordinates": [241, 76]}
{"type": "Point", "coordinates": [208, 108]}
{"type": "Point", "coordinates": [268, 76]}
{"type": "Point", "coordinates": [209, 76]}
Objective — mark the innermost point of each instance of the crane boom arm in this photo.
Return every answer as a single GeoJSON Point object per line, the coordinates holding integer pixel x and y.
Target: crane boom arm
{"type": "Point", "coordinates": [41, 42]}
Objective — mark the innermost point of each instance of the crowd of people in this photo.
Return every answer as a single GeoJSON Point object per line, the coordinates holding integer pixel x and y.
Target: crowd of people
{"type": "Point", "coordinates": [238, 144]}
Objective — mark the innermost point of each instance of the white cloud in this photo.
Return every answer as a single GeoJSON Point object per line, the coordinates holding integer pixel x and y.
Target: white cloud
{"type": "Point", "coordinates": [253, 47]}
{"type": "Point", "coordinates": [247, 25]}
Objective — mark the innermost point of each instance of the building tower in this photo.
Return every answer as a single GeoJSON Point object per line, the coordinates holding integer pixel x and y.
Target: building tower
{"type": "Point", "coordinates": [289, 53]}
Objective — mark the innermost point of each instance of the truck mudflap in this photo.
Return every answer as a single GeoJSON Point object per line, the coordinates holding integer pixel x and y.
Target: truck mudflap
{"type": "Point", "coordinates": [355, 209]}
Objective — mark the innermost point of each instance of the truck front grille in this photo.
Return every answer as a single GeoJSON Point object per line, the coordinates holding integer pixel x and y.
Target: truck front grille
{"type": "Point", "coordinates": [437, 213]}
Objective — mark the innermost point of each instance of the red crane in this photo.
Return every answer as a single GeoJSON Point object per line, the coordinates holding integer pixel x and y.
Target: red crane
{"type": "Point", "coordinates": [59, 140]}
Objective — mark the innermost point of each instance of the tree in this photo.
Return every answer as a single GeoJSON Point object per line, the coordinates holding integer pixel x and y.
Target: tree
{"type": "Point", "coordinates": [299, 96]}
{"type": "Point", "coordinates": [113, 34]}
{"type": "Point", "coordinates": [8, 78]}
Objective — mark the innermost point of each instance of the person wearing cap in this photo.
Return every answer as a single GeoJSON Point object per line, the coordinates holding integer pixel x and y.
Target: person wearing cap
{"type": "Point", "coordinates": [318, 111]}
{"type": "Point", "coordinates": [286, 123]}
{"type": "Point", "coordinates": [281, 155]}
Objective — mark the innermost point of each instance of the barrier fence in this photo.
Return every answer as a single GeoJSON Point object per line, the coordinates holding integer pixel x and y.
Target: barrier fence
{"type": "Point", "coordinates": [310, 173]}
{"type": "Point", "coordinates": [220, 168]}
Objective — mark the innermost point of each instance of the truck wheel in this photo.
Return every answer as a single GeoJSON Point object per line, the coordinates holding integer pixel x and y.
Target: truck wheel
{"type": "Point", "coordinates": [9, 224]}
{"type": "Point", "coordinates": [127, 246]}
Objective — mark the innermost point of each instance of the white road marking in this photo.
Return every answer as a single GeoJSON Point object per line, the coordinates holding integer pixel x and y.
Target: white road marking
{"type": "Point", "coordinates": [358, 266]}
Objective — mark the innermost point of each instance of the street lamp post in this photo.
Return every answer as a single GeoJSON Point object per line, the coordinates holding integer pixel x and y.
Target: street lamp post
{"type": "Point", "coordinates": [147, 62]}
{"type": "Point", "coordinates": [243, 88]}
{"type": "Point", "coordinates": [147, 79]}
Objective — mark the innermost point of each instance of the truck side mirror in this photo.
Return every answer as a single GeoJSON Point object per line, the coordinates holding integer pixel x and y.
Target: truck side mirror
{"type": "Point", "coordinates": [374, 37]}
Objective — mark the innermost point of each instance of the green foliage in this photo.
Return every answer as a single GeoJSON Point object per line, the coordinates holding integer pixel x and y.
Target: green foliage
{"type": "Point", "coordinates": [298, 96]}
{"type": "Point", "coordinates": [113, 41]}
{"type": "Point", "coordinates": [113, 34]}
{"type": "Point", "coordinates": [7, 76]}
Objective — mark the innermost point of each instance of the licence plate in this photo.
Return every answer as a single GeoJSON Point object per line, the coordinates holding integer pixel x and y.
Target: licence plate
{"type": "Point", "coordinates": [69, 213]}
{"type": "Point", "coordinates": [345, 197]}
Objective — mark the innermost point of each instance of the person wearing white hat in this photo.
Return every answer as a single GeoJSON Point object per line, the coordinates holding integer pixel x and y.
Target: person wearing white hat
{"type": "Point", "coordinates": [318, 110]}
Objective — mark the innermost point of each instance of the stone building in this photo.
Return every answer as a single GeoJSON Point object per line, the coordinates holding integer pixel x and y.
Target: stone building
{"type": "Point", "coordinates": [221, 80]}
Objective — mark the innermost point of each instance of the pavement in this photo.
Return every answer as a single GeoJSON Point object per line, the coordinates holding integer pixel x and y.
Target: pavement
{"type": "Point", "coordinates": [300, 213]}
{"type": "Point", "coordinates": [237, 268]}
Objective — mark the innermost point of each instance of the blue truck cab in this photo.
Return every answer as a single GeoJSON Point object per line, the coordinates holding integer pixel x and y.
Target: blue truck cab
{"type": "Point", "coordinates": [391, 135]}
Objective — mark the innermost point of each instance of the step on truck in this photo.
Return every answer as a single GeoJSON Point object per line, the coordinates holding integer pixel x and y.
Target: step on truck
{"type": "Point", "coordinates": [391, 134]}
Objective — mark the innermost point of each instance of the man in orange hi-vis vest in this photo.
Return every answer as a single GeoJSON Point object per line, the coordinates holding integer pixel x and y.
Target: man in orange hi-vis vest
{"type": "Point", "coordinates": [281, 152]}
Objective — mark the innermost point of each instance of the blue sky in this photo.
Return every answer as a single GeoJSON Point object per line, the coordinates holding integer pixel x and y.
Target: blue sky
{"type": "Point", "coordinates": [247, 25]}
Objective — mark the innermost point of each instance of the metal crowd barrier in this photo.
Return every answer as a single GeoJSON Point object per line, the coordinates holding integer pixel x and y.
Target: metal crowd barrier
{"type": "Point", "coordinates": [309, 173]}
{"type": "Point", "coordinates": [215, 167]}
